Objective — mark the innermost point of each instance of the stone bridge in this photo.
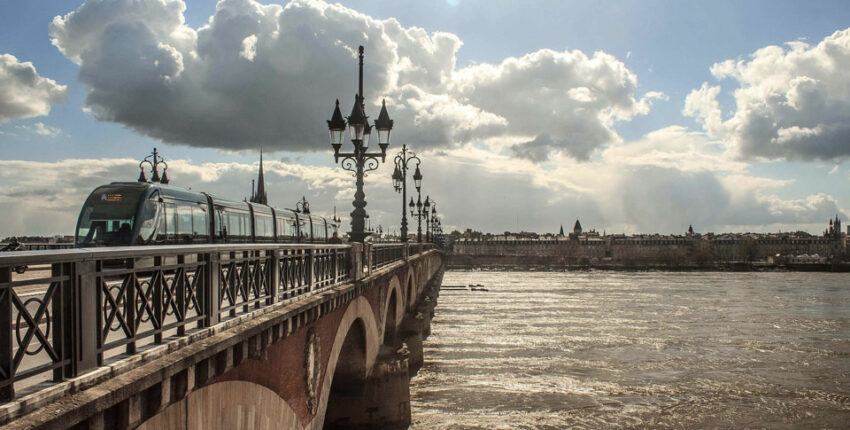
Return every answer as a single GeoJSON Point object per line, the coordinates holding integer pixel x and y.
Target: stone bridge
{"type": "Point", "coordinates": [254, 336]}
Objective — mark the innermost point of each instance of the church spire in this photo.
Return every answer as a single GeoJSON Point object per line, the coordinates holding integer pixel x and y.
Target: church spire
{"type": "Point", "coordinates": [260, 196]}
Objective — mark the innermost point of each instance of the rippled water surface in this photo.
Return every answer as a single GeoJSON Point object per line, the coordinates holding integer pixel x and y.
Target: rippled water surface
{"type": "Point", "coordinates": [636, 350]}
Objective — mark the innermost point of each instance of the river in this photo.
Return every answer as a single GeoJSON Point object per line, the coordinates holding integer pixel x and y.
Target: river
{"type": "Point", "coordinates": [551, 350]}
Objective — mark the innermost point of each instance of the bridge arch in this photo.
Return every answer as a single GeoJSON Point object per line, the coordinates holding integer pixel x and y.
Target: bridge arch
{"type": "Point", "coordinates": [420, 275]}
{"type": "Point", "coordinates": [227, 405]}
{"type": "Point", "coordinates": [410, 288]}
{"type": "Point", "coordinates": [393, 311]}
{"type": "Point", "coordinates": [358, 328]}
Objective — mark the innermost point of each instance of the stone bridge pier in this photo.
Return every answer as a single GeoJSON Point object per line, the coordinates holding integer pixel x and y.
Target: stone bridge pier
{"type": "Point", "coordinates": [338, 357]}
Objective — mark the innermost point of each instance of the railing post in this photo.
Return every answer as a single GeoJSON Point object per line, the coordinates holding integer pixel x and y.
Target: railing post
{"type": "Point", "coordinates": [7, 366]}
{"type": "Point", "coordinates": [231, 282]}
{"type": "Point", "coordinates": [257, 278]}
{"type": "Point", "coordinates": [130, 305]}
{"type": "Point", "coordinates": [274, 276]}
{"type": "Point", "coordinates": [356, 269]}
{"type": "Point", "coordinates": [309, 268]}
{"type": "Point", "coordinates": [367, 257]}
{"type": "Point", "coordinates": [180, 293]}
{"type": "Point", "coordinates": [211, 287]}
{"type": "Point", "coordinates": [62, 324]}
{"type": "Point", "coordinates": [334, 266]}
{"type": "Point", "coordinates": [405, 250]}
{"type": "Point", "coordinates": [88, 314]}
{"type": "Point", "coordinates": [158, 310]}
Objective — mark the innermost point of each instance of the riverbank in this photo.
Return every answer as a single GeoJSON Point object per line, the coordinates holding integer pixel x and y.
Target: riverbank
{"type": "Point", "coordinates": [551, 263]}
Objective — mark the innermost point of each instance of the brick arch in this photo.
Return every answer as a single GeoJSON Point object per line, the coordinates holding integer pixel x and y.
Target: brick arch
{"type": "Point", "coordinates": [228, 405]}
{"type": "Point", "coordinates": [420, 276]}
{"type": "Point", "coordinates": [411, 290]}
{"type": "Point", "coordinates": [398, 312]}
{"type": "Point", "coordinates": [361, 310]}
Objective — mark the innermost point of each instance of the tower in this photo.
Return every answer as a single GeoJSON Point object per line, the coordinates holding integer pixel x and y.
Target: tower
{"type": "Point", "coordinates": [260, 196]}
{"type": "Point", "coordinates": [577, 228]}
{"type": "Point", "coordinates": [837, 226]}
{"type": "Point", "coordinates": [562, 230]}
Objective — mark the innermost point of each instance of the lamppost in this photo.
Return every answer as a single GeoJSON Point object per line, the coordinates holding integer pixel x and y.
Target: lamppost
{"type": "Point", "coordinates": [416, 210]}
{"type": "Point", "coordinates": [400, 182]}
{"type": "Point", "coordinates": [436, 234]}
{"type": "Point", "coordinates": [360, 160]}
{"type": "Point", "coordinates": [154, 160]}
{"type": "Point", "coordinates": [431, 220]}
{"type": "Point", "coordinates": [303, 206]}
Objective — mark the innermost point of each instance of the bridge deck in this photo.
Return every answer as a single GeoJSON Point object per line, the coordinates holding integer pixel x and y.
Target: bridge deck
{"type": "Point", "coordinates": [80, 311]}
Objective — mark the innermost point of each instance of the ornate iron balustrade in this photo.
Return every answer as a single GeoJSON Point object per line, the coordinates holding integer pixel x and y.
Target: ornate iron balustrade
{"type": "Point", "coordinates": [386, 253]}
{"type": "Point", "coordinates": [74, 310]}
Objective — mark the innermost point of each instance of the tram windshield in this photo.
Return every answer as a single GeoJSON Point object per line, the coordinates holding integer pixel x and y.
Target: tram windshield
{"type": "Point", "coordinates": [108, 215]}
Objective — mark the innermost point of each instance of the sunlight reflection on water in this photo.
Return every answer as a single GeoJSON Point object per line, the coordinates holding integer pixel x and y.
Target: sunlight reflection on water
{"type": "Point", "coordinates": [629, 350]}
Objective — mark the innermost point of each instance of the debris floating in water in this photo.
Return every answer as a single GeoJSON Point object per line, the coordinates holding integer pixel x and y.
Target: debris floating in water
{"type": "Point", "coordinates": [470, 287]}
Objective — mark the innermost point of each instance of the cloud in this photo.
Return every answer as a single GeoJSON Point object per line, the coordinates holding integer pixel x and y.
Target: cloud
{"type": "Point", "coordinates": [472, 187]}
{"type": "Point", "coordinates": [536, 150]}
{"type": "Point", "coordinates": [25, 94]}
{"type": "Point", "coordinates": [41, 129]}
{"type": "Point", "coordinates": [676, 147]}
{"type": "Point", "coordinates": [268, 75]}
{"type": "Point", "coordinates": [792, 103]}
{"type": "Point", "coordinates": [655, 199]}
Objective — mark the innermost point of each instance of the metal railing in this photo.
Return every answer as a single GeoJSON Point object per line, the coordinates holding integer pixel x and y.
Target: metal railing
{"type": "Point", "coordinates": [386, 253]}
{"type": "Point", "coordinates": [74, 310]}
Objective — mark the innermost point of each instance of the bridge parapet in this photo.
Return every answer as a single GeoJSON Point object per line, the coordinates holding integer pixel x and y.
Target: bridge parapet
{"type": "Point", "coordinates": [88, 312]}
{"type": "Point", "coordinates": [37, 246]}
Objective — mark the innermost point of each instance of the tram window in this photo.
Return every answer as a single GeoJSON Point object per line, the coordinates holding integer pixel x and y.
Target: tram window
{"type": "Point", "coordinates": [199, 223]}
{"type": "Point", "coordinates": [162, 231]}
{"type": "Point", "coordinates": [263, 226]}
{"type": "Point", "coordinates": [108, 217]}
{"type": "Point", "coordinates": [238, 227]}
{"type": "Point", "coordinates": [220, 224]}
{"type": "Point", "coordinates": [319, 233]}
{"type": "Point", "coordinates": [184, 223]}
{"type": "Point", "coordinates": [171, 223]}
{"type": "Point", "coordinates": [304, 229]}
{"type": "Point", "coordinates": [151, 212]}
{"type": "Point", "coordinates": [286, 229]}
{"type": "Point", "coordinates": [234, 228]}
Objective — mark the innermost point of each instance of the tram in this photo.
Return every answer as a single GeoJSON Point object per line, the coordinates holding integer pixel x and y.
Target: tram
{"type": "Point", "coordinates": [142, 213]}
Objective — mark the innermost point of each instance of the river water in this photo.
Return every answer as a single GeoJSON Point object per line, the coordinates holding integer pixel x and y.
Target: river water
{"type": "Point", "coordinates": [637, 350]}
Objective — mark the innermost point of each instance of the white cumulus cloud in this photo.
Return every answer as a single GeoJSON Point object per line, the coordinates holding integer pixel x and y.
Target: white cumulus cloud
{"type": "Point", "coordinates": [792, 103]}
{"type": "Point", "coordinates": [23, 93]}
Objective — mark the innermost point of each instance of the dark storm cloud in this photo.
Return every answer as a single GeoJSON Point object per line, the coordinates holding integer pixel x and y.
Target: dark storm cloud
{"type": "Point", "coordinates": [268, 75]}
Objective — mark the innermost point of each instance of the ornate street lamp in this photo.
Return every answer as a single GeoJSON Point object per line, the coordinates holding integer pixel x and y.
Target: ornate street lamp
{"type": "Point", "coordinates": [427, 214]}
{"type": "Point", "coordinates": [360, 160]}
{"type": "Point", "coordinates": [400, 182]}
{"type": "Point", "coordinates": [419, 210]}
{"type": "Point", "coordinates": [154, 160]}
{"type": "Point", "coordinates": [336, 219]}
{"type": "Point", "coordinates": [303, 206]}
{"type": "Point", "coordinates": [431, 219]}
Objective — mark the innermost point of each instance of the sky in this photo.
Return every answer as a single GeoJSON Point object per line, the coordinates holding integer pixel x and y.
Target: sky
{"type": "Point", "coordinates": [635, 117]}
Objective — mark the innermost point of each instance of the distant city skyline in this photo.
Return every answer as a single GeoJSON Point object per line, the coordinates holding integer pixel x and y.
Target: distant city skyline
{"type": "Point", "coordinates": [731, 116]}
